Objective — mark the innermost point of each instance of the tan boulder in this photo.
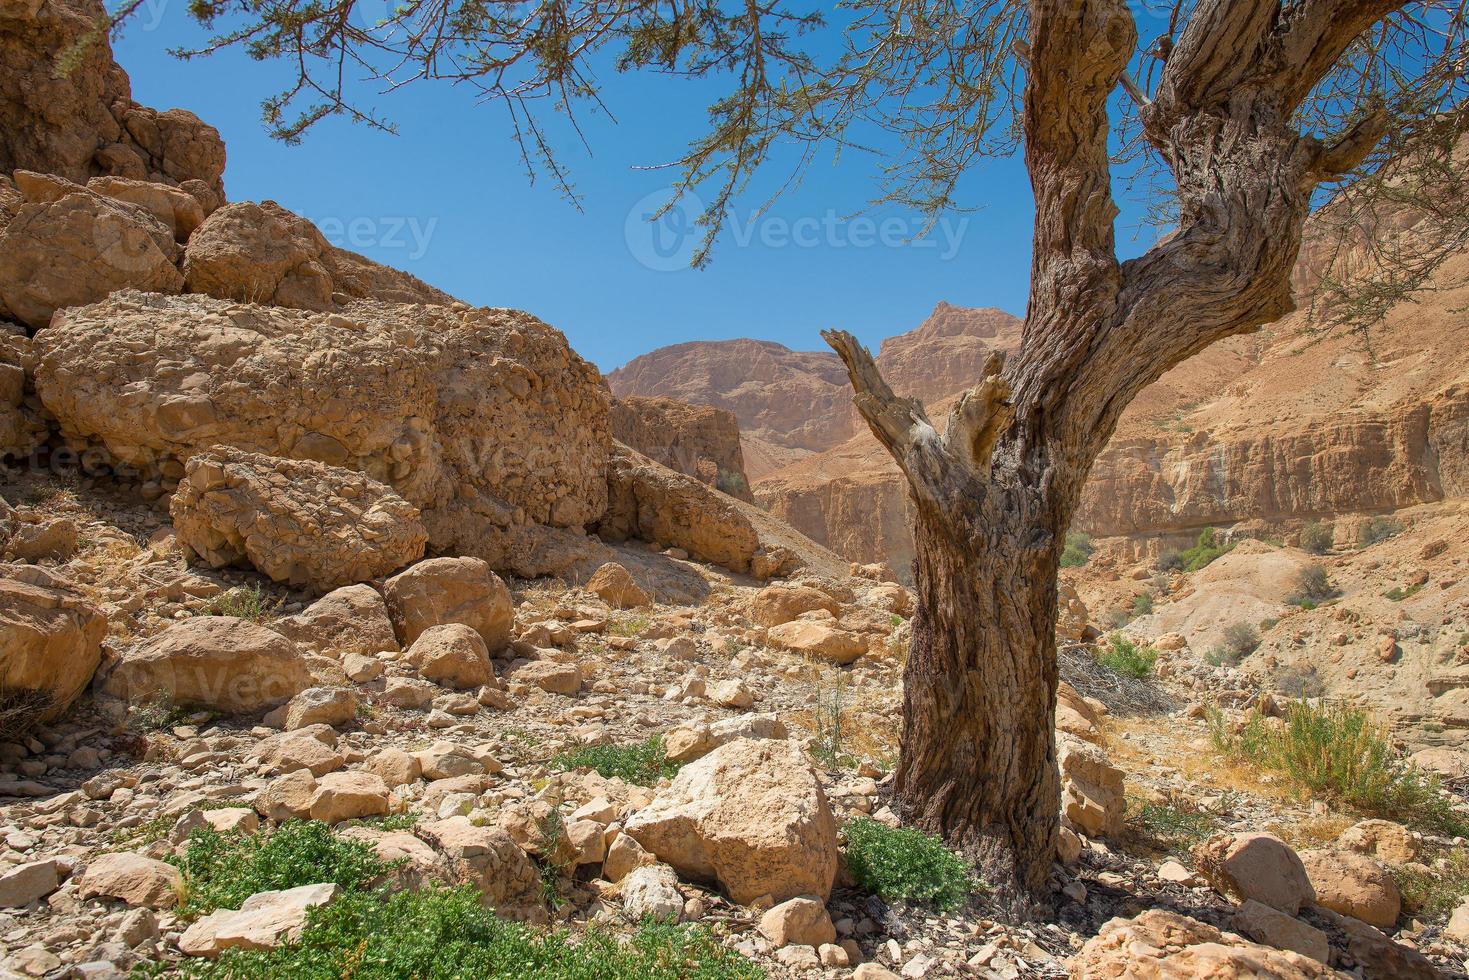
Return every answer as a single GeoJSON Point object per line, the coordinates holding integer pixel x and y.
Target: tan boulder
{"type": "Point", "coordinates": [1272, 927]}
{"type": "Point", "coordinates": [131, 878]}
{"type": "Point", "coordinates": [415, 863]}
{"type": "Point", "coordinates": [302, 522]}
{"type": "Point", "coordinates": [487, 858]}
{"type": "Point", "coordinates": [1072, 617]}
{"type": "Point", "coordinates": [696, 440]}
{"type": "Point", "coordinates": [1075, 716]}
{"type": "Point", "coordinates": [287, 797]}
{"type": "Point", "coordinates": [264, 921]}
{"type": "Point", "coordinates": [313, 748]}
{"type": "Point", "coordinates": [1255, 866]}
{"type": "Point", "coordinates": [175, 208]}
{"type": "Point", "coordinates": [395, 767]}
{"type": "Point", "coordinates": [349, 796]}
{"type": "Point", "coordinates": [1159, 945]}
{"type": "Point", "coordinates": [50, 639]}
{"type": "Point", "coordinates": [551, 676]}
{"type": "Point", "coordinates": [485, 420]}
{"type": "Point", "coordinates": [776, 605]}
{"type": "Point", "coordinates": [333, 706]}
{"type": "Point", "coordinates": [440, 591]}
{"type": "Point", "coordinates": [1382, 839]}
{"type": "Point", "coordinates": [798, 921]}
{"type": "Point", "coordinates": [352, 619]}
{"type": "Point", "coordinates": [615, 585]}
{"type": "Point", "coordinates": [1353, 884]}
{"type": "Point", "coordinates": [693, 740]}
{"type": "Point", "coordinates": [752, 816]}
{"type": "Point", "coordinates": [623, 856]}
{"type": "Point", "coordinates": [453, 655]}
{"type": "Point", "coordinates": [1093, 798]}
{"type": "Point", "coordinates": [651, 891]}
{"type": "Point", "coordinates": [220, 662]}
{"type": "Point", "coordinates": [22, 884]}
{"type": "Point", "coordinates": [818, 639]}
{"type": "Point", "coordinates": [78, 249]}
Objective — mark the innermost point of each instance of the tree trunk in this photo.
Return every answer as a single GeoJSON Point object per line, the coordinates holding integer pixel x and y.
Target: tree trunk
{"type": "Point", "coordinates": [994, 494]}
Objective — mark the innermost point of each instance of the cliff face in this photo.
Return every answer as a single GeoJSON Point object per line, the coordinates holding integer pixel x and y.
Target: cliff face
{"type": "Point", "coordinates": [694, 440]}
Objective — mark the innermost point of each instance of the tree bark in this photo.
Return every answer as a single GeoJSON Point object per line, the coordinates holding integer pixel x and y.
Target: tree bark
{"type": "Point", "coordinates": [994, 494]}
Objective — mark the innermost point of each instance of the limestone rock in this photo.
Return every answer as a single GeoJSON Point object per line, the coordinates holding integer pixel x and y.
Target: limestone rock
{"type": "Point", "coordinates": [615, 585]}
{"type": "Point", "coordinates": [819, 639]}
{"type": "Point", "coordinates": [1169, 946]}
{"type": "Point", "coordinates": [1382, 839]}
{"type": "Point", "coordinates": [1075, 716]}
{"type": "Point", "coordinates": [1255, 866]}
{"type": "Point", "coordinates": [452, 654]}
{"type": "Point", "coordinates": [750, 815]}
{"type": "Point", "coordinates": [696, 440]}
{"type": "Point", "coordinates": [351, 620]}
{"type": "Point", "coordinates": [312, 748]}
{"type": "Point", "coordinates": [1093, 800]}
{"type": "Point", "coordinates": [78, 249]}
{"type": "Point", "coordinates": [693, 740]}
{"type": "Point", "coordinates": [334, 706]}
{"type": "Point", "coordinates": [26, 883]}
{"type": "Point", "coordinates": [450, 590]}
{"type": "Point", "coordinates": [485, 420]}
{"type": "Point", "coordinates": [288, 797]}
{"type": "Point", "coordinates": [220, 662]}
{"type": "Point", "coordinates": [131, 878]}
{"type": "Point", "coordinates": [348, 795]}
{"type": "Point", "coordinates": [50, 638]}
{"type": "Point", "coordinates": [176, 209]}
{"type": "Point", "coordinates": [395, 767]}
{"type": "Point", "coordinates": [1274, 928]}
{"type": "Point", "coordinates": [798, 921]}
{"type": "Point", "coordinates": [301, 522]}
{"type": "Point", "coordinates": [652, 892]}
{"type": "Point", "coordinates": [264, 921]}
{"type": "Point", "coordinates": [262, 253]}
{"type": "Point", "coordinates": [1353, 884]}
{"type": "Point", "coordinates": [776, 605]}
{"type": "Point", "coordinates": [487, 858]}
{"type": "Point", "coordinates": [550, 676]}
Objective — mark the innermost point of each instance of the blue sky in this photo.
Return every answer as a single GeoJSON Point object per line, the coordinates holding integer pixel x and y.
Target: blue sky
{"type": "Point", "coordinates": [447, 200]}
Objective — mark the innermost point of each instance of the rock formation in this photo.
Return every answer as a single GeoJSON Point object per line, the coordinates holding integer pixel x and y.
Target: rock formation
{"type": "Point", "coordinates": [483, 419]}
{"type": "Point", "coordinates": [695, 440]}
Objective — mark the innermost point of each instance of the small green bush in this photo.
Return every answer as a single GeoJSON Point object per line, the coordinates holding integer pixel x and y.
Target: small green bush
{"type": "Point", "coordinates": [1397, 593]}
{"type": "Point", "coordinates": [1240, 640]}
{"type": "Point", "coordinates": [1202, 554]}
{"type": "Point", "coordinates": [448, 934]}
{"type": "Point", "coordinates": [1340, 754]}
{"type": "Point", "coordinates": [1142, 605]}
{"type": "Point", "coordinates": [1169, 826]}
{"type": "Point", "coordinates": [1380, 529]}
{"type": "Point", "coordinates": [1122, 656]}
{"type": "Point", "coordinates": [246, 602]}
{"type": "Point", "coordinates": [905, 863]}
{"type": "Point", "coordinates": [643, 763]}
{"type": "Point", "coordinates": [1313, 587]}
{"type": "Point", "coordinates": [1078, 550]}
{"type": "Point", "coordinates": [222, 870]}
{"type": "Point", "coordinates": [1317, 538]}
{"type": "Point", "coordinates": [1436, 886]}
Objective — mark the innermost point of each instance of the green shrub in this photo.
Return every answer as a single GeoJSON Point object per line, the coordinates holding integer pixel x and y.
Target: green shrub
{"type": "Point", "coordinates": [1398, 593]}
{"type": "Point", "coordinates": [1142, 605]}
{"type": "Point", "coordinates": [643, 763]}
{"type": "Point", "coordinates": [1169, 826]}
{"type": "Point", "coordinates": [245, 601]}
{"type": "Point", "coordinates": [1317, 538]}
{"type": "Point", "coordinates": [222, 870]}
{"type": "Point", "coordinates": [1241, 640]}
{"type": "Point", "coordinates": [1078, 550]}
{"type": "Point", "coordinates": [1313, 587]}
{"type": "Point", "coordinates": [1339, 753]}
{"type": "Point", "coordinates": [906, 863]}
{"type": "Point", "coordinates": [1380, 529]}
{"type": "Point", "coordinates": [1437, 886]}
{"type": "Point", "coordinates": [1208, 548]}
{"type": "Point", "coordinates": [447, 934]}
{"type": "Point", "coordinates": [1122, 656]}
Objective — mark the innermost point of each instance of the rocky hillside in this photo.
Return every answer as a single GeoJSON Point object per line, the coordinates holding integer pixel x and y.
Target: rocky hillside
{"type": "Point", "coordinates": [695, 440]}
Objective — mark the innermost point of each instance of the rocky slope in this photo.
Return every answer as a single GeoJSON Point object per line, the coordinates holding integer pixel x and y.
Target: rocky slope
{"type": "Point", "coordinates": [695, 440]}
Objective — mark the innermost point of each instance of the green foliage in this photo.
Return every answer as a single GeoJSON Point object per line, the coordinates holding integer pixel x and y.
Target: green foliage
{"type": "Point", "coordinates": [447, 934]}
{"type": "Point", "coordinates": [643, 763]}
{"type": "Point", "coordinates": [1142, 605]}
{"type": "Point", "coordinates": [1317, 538]}
{"type": "Point", "coordinates": [1338, 753]}
{"type": "Point", "coordinates": [1170, 826]}
{"type": "Point", "coordinates": [1208, 548]}
{"type": "Point", "coordinates": [631, 626]}
{"type": "Point", "coordinates": [1313, 587]}
{"type": "Point", "coordinates": [1380, 529]}
{"type": "Point", "coordinates": [1240, 640]}
{"type": "Point", "coordinates": [552, 831]}
{"type": "Point", "coordinates": [1437, 886]}
{"type": "Point", "coordinates": [1078, 550]}
{"type": "Point", "coordinates": [221, 871]}
{"type": "Point", "coordinates": [246, 602]}
{"type": "Point", "coordinates": [732, 482]}
{"type": "Point", "coordinates": [906, 863]}
{"type": "Point", "coordinates": [1122, 656]}
{"type": "Point", "coordinates": [830, 706]}
{"type": "Point", "coordinates": [1398, 593]}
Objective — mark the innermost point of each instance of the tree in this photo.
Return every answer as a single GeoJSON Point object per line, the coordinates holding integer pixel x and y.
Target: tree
{"type": "Point", "coordinates": [1238, 112]}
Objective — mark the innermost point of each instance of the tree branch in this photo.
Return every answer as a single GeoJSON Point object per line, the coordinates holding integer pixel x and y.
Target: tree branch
{"type": "Point", "coordinates": [900, 424]}
{"type": "Point", "coordinates": [981, 415]}
{"type": "Point", "coordinates": [1348, 152]}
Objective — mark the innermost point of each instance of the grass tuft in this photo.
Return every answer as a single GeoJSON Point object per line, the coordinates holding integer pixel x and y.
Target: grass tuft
{"type": "Point", "coordinates": [1339, 753]}
{"type": "Point", "coordinates": [905, 863]}
{"type": "Point", "coordinates": [244, 602]}
{"type": "Point", "coordinates": [643, 763]}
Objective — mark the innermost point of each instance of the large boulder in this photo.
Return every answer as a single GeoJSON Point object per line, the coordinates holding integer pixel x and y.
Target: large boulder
{"type": "Point", "coordinates": [816, 638]}
{"type": "Point", "coordinates": [1354, 884]}
{"type": "Point", "coordinates": [309, 524]}
{"type": "Point", "coordinates": [489, 859]}
{"type": "Point", "coordinates": [82, 122]}
{"type": "Point", "coordinates": [1093, 799]}
{"type": "Point", "coordinates": [262, 253]}
{"type": "Point", "coordinates": [132, 878]}
{"type": "Point", "coordinates": [77, 249]}
{"type": "Point", "coordinates": [1163, 945]}
{"type": "Point", "coordinates": [452, 654]}
{"type": "Point", "coordinates": [650, 502]}
{"type": "Point", "coordinates": [776, 605]}
{"type": "Point", "coordinates": [614, 585]}
{"type": "Point", "coordinates": [352, 619]}
{"type": "Point", "coordinates": [23, 428]}
{"type": "Point", "coordinates": [450, 590]}
{"type": "Point", "coordinates": [220, 662]}
{"type": "Point", "coordinates": [1255, 866]}
{"type": "Point", "coordinates": [485, 420]}
{"type": "Point", "coordinates": [50, 643]}
{"type": "Point", "coordinates": [750, 815]}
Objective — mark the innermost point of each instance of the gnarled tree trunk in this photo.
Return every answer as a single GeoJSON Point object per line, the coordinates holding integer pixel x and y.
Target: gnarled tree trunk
{"type": "Point", "coordinates": [994, 494]}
